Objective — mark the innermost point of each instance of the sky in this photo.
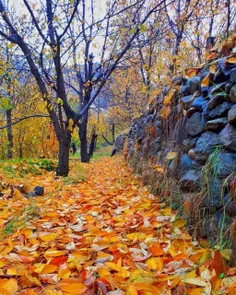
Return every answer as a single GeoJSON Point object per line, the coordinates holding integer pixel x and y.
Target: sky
{"type": "Point", "coordinates": [100, 10]}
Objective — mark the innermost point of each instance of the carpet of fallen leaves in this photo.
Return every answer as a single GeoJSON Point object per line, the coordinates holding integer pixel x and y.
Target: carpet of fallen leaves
{"type": "Point", "coordinates": [103, 233]}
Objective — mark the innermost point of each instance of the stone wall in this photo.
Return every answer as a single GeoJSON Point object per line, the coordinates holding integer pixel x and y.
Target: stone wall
{"type": "Point", "coordinates": [187, 137]}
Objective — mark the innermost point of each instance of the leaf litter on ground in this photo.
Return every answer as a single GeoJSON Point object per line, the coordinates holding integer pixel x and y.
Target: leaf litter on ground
{"type": "Point", "coordinates": [104, 234]}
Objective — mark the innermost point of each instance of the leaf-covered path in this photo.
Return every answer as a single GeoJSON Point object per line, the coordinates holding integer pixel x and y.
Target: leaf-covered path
{"type": "Point", "coordinates": [100, 232]}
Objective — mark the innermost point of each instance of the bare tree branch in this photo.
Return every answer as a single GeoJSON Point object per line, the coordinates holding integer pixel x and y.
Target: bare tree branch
{"type": "Point", "coordinates": [70, 20]}
{"type": "Point", "coordinates": [36, 22]}
{"type": "Point", "coordinates": [25, 118]}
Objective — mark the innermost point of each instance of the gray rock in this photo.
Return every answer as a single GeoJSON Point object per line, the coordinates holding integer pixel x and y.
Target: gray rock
{"type": "Point", "coordinates": [148, 120]}
{"type": "Point", "coordinates": [221, 110]}
{"type": "Point", "coordinates": [37, 191]}
{"type": "Point", "coordinates": [194, 125]}
{"type": "Point", "coordinates": [228, 137]}
{"type": "Point", "coordinates": [186, 101]}
{"type": "Point", "coordinates": [119, 142]}
{"type": "Point", "coordinates": [199, 103]}
{"type": "Point", "coordinates": [231, 209]}
{"type": "Point", "coordinates": [216, 100]}
{"type": "Point", "coordinates": [220, 76]}
{"type": "Point", "coordinates": [233, 75]}
{"type": "Point", "coordinates": [232, 94]}
{"type": "Point", "coordinates": [228, 87]}
{"type": "Point", "coordinates": [155, 146]}
{"type": "Point", "coordinates": [230, 205]}
{"type": "Point", "coordinates": [205, 91]}
{"type": "Point", "coordinates": [225, 164]}
{"type": "Point", "coordinates": [177, 81]}
{"type": "Point", "coordinates": [189, 143]}
{"type": "Point", "coordinates": [232, 115]}
{"type": "Point", "coordinates": [219, 88]}
{"type": "Point", "coordinates": [184, 90]}
{"type": "Point", "coordinates": [190, 112]}
{"type": "Point", "coordinates": [194, 84]}
{"type": "Point", "coordinates": [226, 68]}
{"type": "Point", "coordinates": [190, 181]}
{"type": "Point", "coordinates": [157, 124]}
{"type": "Point", "coordinates": [216, 124]}
{"type": "Point", "coordinates": [185, 163]}
{"type": "Point", "coordinates": [205, 145]}
{"type": "Point", "coordinates": [215, 196]}
{"type": "Point", "coordinates": [205, 114]}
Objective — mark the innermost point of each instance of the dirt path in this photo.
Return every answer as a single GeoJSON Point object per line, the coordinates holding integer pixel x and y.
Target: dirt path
{"type": "Point", "coordinates": [103, 234]}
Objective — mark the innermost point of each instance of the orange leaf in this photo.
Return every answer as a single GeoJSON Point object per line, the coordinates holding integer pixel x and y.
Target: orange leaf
{"type": "Point", "coordinates": [11, 271]}
{"type": "Point", "coordinates": [165, 112]}
{"type": "Point", "coordinates": [218, 263]}
{"type": "Point", "coordinates": [156, 250]}
{"type": "Point", "coordinates": [103, 271]}
{"type": "Point", "coordinates": [192, 72]}
{"type": "Point", "coordinates": [213, 68]}
{"type": "Point", "coordinates": [155, 263]}
{"type": "Point", "coordinates": [59, 260]}
{"type": "Point", "coordinates": [197, 291]}
{"type": "Point", "coordinates": [168, 98]}
{"type": "Point", "coordinates": [11, 286]}
{"type": "Point", "coordinates": [50, 268]}
{"type": "Point", "coordinates": [54, 253]}
{"type": "Point", "coordinates": [74, 288]}
{"type": "Point", "coordinates": [211, 56]}
{"type": "Point", "coordinates": [48, 237]}
{"type": "Point", "coordinates": [231, 60]}
{"type": "Point", "coordinates": [64, 273]}
{"type": "Point", "coordinates": [131, 291]}
{"type": "Point", "coordinates": [205, 82]}
{"type": "Point", "coordinates": [4, 291]}
{"type": "Point", "coordinates": [180, 223]}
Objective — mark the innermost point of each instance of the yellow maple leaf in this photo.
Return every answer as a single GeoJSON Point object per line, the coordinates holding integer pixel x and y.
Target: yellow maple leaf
{"type": "Point", "coordinates": [155, 263]}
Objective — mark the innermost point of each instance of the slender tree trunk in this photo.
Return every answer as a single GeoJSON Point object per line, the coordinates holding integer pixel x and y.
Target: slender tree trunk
{"type": "Point", "coordinates": [83, 132]}
{"type": "Point", "coordinates": [64, 153]}
{"type": "Point", "coordinates": [93, 142]}
{"type": "Point", "coordinates": [9, 134]}
{"type": "Point", "coordinates": [113, 132]}
{"type": "Point", "coordinates": [63, 159]}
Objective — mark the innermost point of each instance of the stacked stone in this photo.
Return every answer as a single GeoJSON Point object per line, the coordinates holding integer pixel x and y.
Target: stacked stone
{"type": "Point", "coordinates": [211, 133]}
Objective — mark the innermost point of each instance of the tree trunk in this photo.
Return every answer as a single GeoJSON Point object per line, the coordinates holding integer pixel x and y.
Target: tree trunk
{"type": "Point", "coordinates": [63, 161]}
{"type": "Point", "coordinates": [113, 133]}
{"type": "Point", "coordinates": [92, 145]}
{"type": "Point", "coordinates": [9, 134]}
{"type": "Point", "coordinates": [84, 155]}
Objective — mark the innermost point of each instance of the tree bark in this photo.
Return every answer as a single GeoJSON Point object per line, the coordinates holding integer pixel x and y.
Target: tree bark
{"type": "Point", "coordinates": [93, 142]}
{"type": "Point", "coordinates": [63, 158]}
{"type": "Point", "coordinates": [84, 155]}
{"type": "Point", "coordinates": [9, 134]}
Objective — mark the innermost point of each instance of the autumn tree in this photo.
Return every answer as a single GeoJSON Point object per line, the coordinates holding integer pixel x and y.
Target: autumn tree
{"type": "Point", "coordinates": [10, 70]}
{"type": "Point", "coordinates": [30, 125]}
{"type": "Point", "coordinates": [50, 26]}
